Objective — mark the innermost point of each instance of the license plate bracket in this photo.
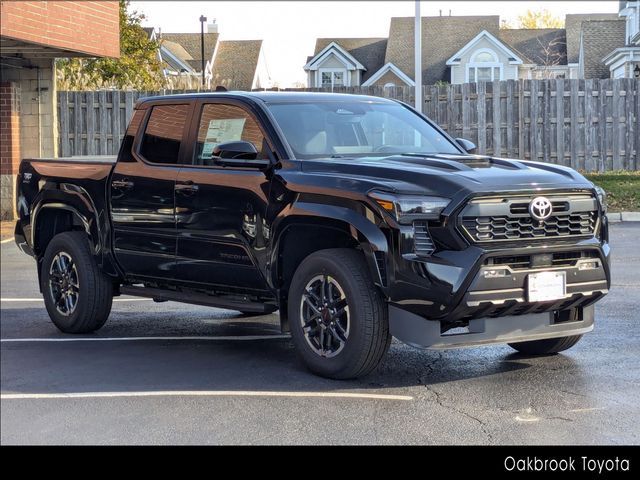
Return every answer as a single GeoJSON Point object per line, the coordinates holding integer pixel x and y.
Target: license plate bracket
{"type": "Point", "coordinates": [546, 286]}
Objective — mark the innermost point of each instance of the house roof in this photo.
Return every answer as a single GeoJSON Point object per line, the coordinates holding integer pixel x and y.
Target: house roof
{"type": "Point", "coordinates": [190, 42]}
{"type": "Point", "coordinates": [236, 63]}
{"type": "Point", "coordinates": [148, 31]}
{"type": "Point", "coordinates": [599, 38]}
{"type": "Point", "coordinates": [442, 37]}
{"type": "Point", "coordinates": [369, 52]}
{"type": "Point", "coordinates": [573, 25]}
{"type": "Point", "coordinates": [542, 46]}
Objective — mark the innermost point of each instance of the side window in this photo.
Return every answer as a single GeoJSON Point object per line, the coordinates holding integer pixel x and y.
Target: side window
{"type": "Point", "coordinates": [163, 135]}
{"type": "Point", "coordinates": [225, 123]}
{"type": "Point", "coordinates": [125, 154]}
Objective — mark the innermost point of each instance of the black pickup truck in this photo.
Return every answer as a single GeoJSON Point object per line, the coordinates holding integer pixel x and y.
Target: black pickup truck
{"type": "Point", "coordinates": [356, 217]}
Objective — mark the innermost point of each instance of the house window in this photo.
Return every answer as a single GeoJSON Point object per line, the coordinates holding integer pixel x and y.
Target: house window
{"type": "Point", "coordinates": [330, 78]}
{"type": "Point", "coordinates": [484, 67]}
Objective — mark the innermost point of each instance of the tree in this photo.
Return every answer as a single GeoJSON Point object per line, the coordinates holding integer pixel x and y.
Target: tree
{"type": "Point", "coordinates": [537, 19]}
{"type": "Point", "coordinates": [138, 66]}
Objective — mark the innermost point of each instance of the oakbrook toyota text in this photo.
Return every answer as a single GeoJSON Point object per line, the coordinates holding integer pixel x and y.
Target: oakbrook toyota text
{"type": "Point", "coordinates": [569, 464]}
{"type": "Point", "coordinates": [355, 217]}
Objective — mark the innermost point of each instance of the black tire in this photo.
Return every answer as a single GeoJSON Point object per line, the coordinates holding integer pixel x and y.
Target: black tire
{"type": "Point", "coordinates": [549, 346]}
{"type": "Point", "coordinates": [368, 336]}
{"type": "Point", "coordinates": [94, 289]}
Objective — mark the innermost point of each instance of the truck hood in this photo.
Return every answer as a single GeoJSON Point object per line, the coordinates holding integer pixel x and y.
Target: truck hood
{"type": "Point", "coordinates": [446, 175]}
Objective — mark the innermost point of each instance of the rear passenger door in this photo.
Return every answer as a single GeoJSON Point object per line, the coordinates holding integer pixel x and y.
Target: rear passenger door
{"type": "Point", "coordinates": [142, 191]}
{"type": "Point", "coordinates": [222, 235]}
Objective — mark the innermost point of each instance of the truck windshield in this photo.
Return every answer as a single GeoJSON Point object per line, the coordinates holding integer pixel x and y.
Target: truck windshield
{"type": "Point", "coordinates": [356, 129]}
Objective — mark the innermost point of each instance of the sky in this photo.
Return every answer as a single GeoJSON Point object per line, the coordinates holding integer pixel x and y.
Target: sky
{"type": "Point", "coordinates": [289, 29]}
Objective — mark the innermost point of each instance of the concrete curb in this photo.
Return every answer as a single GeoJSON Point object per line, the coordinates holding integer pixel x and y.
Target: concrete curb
{"type": "Point", "coordinates": [623, 217]}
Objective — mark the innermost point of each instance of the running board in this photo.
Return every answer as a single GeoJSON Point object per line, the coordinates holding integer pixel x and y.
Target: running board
{"type": "Point", "coordinates": [159, 294]}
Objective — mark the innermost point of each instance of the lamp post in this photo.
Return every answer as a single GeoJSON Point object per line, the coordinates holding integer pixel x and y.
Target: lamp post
{"type": "Point", "coordinates": [418, 57]}
{"type": "Point", "coordinates": [202, 20]}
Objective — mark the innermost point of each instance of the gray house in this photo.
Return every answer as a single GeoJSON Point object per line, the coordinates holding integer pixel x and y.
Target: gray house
{"type": "Point", "coordinates": [461, 49]}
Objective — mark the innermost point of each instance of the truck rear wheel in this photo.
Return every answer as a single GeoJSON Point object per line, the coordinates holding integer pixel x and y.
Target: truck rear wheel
{"type": "Point", "coordinates": [77, 294]}
{"type": "Point", "coordinates": [548, 346]}
{"type": "Point", "coordinates": [338, 319]}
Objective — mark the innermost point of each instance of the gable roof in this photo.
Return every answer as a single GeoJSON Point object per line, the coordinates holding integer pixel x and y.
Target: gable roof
{"type": "Point", "coordinates": [442, 37]}
{"type": "Point", "coordinates": [455, 58]}
{"type": "Point", "coordinates": [541, 46]}
{"type": "Point", "coordinates": [343, 55]}
{"type": "Point", "coordinates": [599, 38]}
{"type": "Point", "coordinates": [573, 25]}
{"type": "Point", "coordinates": [190, 42]}
{"type": "Point", "coordinates": [236, 63]}
{"type": "Point", "coordinates": [389, 67]}
{"type": "Point", "coordinates": [369, 52]}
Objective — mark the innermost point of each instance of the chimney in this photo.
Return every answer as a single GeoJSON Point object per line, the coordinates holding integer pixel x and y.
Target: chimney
{"type": "Point", "coordinates": [449, 12]}
{"type": "Point", "coordinates": [212, 27]}
{"type": "Point", "coordinates": [441, 12]}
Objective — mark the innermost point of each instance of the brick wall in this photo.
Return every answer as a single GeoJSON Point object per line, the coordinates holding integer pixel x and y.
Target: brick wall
{"type": "Point", "coordinates": [90, 27]}
{"type": "Point", "coordinates": [9, 145]}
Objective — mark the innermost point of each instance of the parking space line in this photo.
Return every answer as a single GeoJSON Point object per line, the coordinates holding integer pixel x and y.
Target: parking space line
{"type": "Point", "coordinates": [204, 393]}
{"type": "Point", "coordinates": [134, 299]}
{"type": "Point", "coordinates": [136, 339]}
{"type": "Point", "coordinates": [6, 240]}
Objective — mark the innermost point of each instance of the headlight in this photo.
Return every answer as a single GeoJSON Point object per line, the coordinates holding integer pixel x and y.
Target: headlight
{"type": "Point", "coordinates": [602, 198]}
{"type": "Point", "coordinates": [407, 208]}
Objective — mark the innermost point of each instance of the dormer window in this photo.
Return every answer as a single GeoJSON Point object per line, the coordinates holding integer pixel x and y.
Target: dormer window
{"type": "Point", "coordinates": [484, 67]}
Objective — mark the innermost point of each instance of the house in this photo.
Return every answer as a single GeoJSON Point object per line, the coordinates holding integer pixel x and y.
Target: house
{"type": "Point", "coordinates": [461, 49]}
{"type": "Point", "coordinates": [624, 61]}
{"type": "Point", "coordinates": [32, 35]}
{"type": "Point", "coordinates": [233, 64]}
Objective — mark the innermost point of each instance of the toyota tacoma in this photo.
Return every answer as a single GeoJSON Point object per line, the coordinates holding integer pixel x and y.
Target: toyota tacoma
{"type": "Point", "coordinates": [356, 217]}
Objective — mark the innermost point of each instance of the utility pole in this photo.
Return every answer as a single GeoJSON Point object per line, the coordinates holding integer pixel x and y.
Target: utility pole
{"type": "Point", "coordinates": [418, 57]}
{"type": "Point", "coordinates": [203, 19]}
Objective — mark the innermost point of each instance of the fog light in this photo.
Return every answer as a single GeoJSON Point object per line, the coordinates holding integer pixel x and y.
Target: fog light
{"type": "Point", "coordinates": [592, 265]}
{"type": "Point", "coordinates": [497, 273]}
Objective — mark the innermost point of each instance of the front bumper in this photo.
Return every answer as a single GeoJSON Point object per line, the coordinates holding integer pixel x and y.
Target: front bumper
{"type": "Point", "coordinates": [419, 332]}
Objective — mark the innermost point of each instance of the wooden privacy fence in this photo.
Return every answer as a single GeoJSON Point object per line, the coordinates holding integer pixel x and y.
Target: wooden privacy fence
{"type": "Point", "coordinates": [585, 124]}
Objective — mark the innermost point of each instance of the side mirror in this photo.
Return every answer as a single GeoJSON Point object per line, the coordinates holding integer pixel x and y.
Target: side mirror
{"type": "Point", "coordinates": [467, 145]}
{"type": "Point", "coordinates": [238, 154]}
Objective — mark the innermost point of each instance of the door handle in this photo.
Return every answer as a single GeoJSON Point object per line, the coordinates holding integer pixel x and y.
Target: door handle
{"type": "Point", "coordinates": [186, 188]}
{"type": "Point", "coordinates": [123, 184]}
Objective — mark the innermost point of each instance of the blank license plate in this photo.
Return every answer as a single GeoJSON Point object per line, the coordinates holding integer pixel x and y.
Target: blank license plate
{"type": "Point", "coordinates": [546, 286]}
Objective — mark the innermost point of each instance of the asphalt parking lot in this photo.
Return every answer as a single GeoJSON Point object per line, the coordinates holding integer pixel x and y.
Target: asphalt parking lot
{"type": "Point", "coordinates": [168, 373]}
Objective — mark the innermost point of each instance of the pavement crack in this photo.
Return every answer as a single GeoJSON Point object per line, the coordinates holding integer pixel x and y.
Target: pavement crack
{"type": "Point", "coordinates": [439, 397]}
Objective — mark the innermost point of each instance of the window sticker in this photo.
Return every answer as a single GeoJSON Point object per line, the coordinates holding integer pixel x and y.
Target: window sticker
{"type": "Point", "coordinates": [220, 131]}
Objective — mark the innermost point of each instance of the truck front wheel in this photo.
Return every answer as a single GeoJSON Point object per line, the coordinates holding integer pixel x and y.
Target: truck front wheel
{"type": "Point", "coordinates": [338, 318]}
{"type": "Point", "coordinates": [548, 346]}
{"type": "Point", "coordinates": [77, 294]}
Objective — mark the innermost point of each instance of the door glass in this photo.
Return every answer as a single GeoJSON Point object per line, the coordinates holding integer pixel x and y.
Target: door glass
{"type": "Point", "coordinates": [338, 79]}
{"type": "Point", "coordinates": [472, 74]}
{"type": "Point", "coordinates": [225, 123]}
{"type": "Point", "coordinates": [326, 79]}
{"type": "Point", "coordinates": [161, 141]}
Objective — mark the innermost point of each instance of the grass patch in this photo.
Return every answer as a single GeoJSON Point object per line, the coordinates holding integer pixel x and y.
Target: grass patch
{"type": "Point", "coordinates": [623, 189]}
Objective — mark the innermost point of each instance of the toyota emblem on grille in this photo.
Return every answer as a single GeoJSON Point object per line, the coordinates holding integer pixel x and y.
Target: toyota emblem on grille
{"type": "Point", "coordinates": [540, 208]}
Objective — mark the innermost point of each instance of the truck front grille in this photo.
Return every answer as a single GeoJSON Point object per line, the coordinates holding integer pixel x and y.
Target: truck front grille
{"type": "Point", "coordinates": [508, 219]}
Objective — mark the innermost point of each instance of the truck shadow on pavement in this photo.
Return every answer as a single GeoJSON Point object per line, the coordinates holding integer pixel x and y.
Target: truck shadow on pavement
{"type": "Point", "coordinates": [268, 364]}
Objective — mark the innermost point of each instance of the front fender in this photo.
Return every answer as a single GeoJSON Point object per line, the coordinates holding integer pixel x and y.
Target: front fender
{"type": "Point", "coordinates": [362, 228]}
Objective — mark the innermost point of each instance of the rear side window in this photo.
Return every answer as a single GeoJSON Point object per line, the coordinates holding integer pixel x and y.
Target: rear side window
{"type": "Point", "coordinates": [225, 123]}
{"type": "Point", "coordinates": [163, 135]}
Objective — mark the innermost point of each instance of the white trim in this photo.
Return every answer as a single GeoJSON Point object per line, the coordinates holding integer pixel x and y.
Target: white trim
{"type": "Point", "coordinates": [345, 57]}
{"type": "Point", "coordinates": [628, 53]}
{"type": "Point", "coordinates": [498, 43]}
{"type": "Point", "coordinates": [188, 68]}
{"type": "Point", "coordinates": [490, 65]}
{"type": "Point", "coordinates": [389, 67]}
